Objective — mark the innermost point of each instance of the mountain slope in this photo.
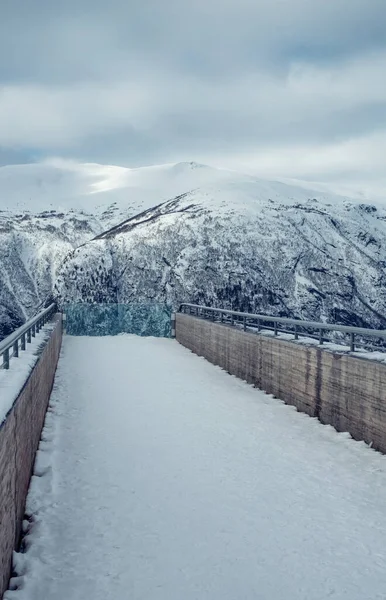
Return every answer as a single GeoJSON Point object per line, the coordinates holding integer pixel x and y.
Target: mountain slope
{"type": "Point", "coordinates": [31, 249]}
{"type": "Point", "coordinates": [108, 192]}
{"type": "Point", "coordinates": [47, 210]}
{"type": "Point", "coordinates": [241, 243]}
{"type": "Point", "coordinates": [170, 233]}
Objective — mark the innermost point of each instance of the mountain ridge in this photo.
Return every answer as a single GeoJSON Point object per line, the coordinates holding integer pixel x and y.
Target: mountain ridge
{"type": "Point", "coordinates": [212, 236]}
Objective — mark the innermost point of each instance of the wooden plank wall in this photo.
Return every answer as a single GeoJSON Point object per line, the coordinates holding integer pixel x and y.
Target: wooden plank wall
{"type": "Point", "coordinates": [19, 440]}
{"type": "Point", "coordinates": [340, 390]}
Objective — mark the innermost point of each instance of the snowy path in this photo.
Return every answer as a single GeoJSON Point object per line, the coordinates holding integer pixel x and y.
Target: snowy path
{"type": "Point", "coordinates": [164, 478]}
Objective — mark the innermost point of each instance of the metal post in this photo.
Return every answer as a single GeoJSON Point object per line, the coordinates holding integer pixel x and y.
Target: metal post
{"type": "Point", "coordinates": [258, 325]}
{"type": "Point", "coordinates": [29, 336]}
{"type": "Point", "coordinates": [173, 325]}
{"type": "Point", "coordinates": [16, 349]}
{"type": "Point", "coordinates": [33, 331]}
{"type": "Point", "coordinates": [6, 359]}
{"type": "Point", "coordinates": [275, 327]}
{"type": "Point", "coordinates": [23, 341]}
{"type": "Point", "coordinates": [212, 315]}
{"type": "Point", "coordinates": [245, 323]}
{"type": "Point", "coordinates": [222, 318]}
{"type": "Point", "coordinates": [320, 336]}
{"type": "Point", "coordinates": [232, 319]}
{"type": "Point", "coordinates": [296, 333]}
{"type": "Point", "coordinates": [352, 342]}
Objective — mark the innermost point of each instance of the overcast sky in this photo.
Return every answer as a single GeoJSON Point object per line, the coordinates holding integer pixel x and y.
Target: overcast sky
{"type": "Point", "coordinates": [293, 88]}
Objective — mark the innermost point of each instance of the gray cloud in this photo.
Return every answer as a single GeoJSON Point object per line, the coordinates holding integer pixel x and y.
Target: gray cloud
{"type": "Point", "coordinates": [137, 83]}
{"type": "Point", "coordinates": [14, 156]}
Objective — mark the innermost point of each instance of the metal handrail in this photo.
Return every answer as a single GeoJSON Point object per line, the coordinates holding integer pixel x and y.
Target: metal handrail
{"type": "Point", "coordinates": [320, 327]}
{"type": "Point", "coordinates": [24, 335]}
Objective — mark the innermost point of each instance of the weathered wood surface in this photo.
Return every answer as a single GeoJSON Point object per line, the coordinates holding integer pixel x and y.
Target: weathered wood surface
{"type": "Point", "coordinates": [340, 390]}
{"type": "Point", "coordinates": [19, 440]}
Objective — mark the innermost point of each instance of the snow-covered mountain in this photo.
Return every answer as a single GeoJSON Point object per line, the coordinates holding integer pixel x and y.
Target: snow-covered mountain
{"type": "Point", "coordinates": [187, 232]}
{"type": "Point", "coordinates": [48, 209]}
{"type": "Point", "coordinates": [32, 247]}
{"type": "Point", "coordinates": [242, 243]}
{"type": "Point", "coordinates": [107, 192]}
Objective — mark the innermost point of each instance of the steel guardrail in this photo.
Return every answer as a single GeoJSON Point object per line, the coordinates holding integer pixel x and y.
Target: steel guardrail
{"type": "Point", "coordinates": [208, 311]}
{"type": "Point", "coordinates": [18, 340]}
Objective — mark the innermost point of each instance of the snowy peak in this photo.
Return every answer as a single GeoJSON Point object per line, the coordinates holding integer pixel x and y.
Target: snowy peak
{"type": "Point", "coordinates": [245, 244]}
{"type": "Point", "coordinates": [240, 196]}
{"type": "Point", "coordinates": [93, 188]}
{"type": "Point", "coordinates": [186, 232]}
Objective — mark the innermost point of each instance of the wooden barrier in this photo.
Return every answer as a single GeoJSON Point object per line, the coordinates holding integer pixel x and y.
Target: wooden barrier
{"type": "Point", "coordinates": [19, 440]}
{"type": "Point", "coordinates": [340, 390]}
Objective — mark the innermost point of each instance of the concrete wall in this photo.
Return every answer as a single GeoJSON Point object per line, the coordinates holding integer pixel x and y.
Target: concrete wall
{"type": "Point", "coordinates": [346, 392]}
{"type": "Point", "coordinates": [19, 440]}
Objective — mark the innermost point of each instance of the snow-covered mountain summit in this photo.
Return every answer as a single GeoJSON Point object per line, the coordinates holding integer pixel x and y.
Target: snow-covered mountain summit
{"type": "Point", "coordinates": [48, 209]}
{"type": "Point", "coordinates": [105, 191]}
{"type": "Point", "coordinates": [243, 243]}
{"type": "Point", "coordinates": [186, 232]}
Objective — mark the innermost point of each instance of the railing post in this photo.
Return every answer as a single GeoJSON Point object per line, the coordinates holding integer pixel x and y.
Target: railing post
{"type": "Point", "coordinates": [29, 336]}
{"type": "Point", "coordinates": [320, 336]}
{"type": "Point", "coordinates": [275, 327]}
{"type": "Point", "coordinates": [245, 323]}
{"type": "Point", "coordinates": [33, 330]}
{"type": "Point", "coordinates": [232, 319]}
{"type": "Point", "coordinates": [16, 349]}
{"type": "Point", "coordinates": [296, 333]}
{"type": "Point", "coordinates": [258, 325]}
{"type": "Point", "coordinates": [222, 318]}
{"type": "Point", "coordinates": [173, 325]}
{"type": "Point", "coordinates": [352, 342]}
{"type": "Point", "coordinates": [212, 315]}
{"type": "Point", "coordinates": [6, 359]}
{"type": "Point", "coordinates": [22, 343]}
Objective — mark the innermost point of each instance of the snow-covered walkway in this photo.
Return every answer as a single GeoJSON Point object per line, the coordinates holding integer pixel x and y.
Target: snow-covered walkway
{"type": "Point", "coordinates": [164, 478]}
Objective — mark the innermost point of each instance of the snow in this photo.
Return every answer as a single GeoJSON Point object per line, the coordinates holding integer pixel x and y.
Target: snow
{"type": "Point", "coordinates": [64, 184]}
{"type": "Point", "coordinates": [161, 477]}
{"type": "Point", "coordinates": [217, 236]}
{"type": "Point", "coordinates": [255, 246]}
{"type": "Point", "coordinates": [13, 379]}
